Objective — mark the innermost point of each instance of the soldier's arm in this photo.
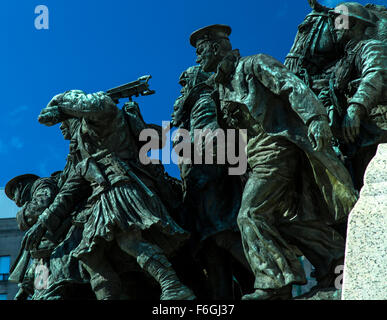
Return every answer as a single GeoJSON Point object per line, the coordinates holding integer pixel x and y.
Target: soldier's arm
{"type": "Point", "coordinates": [92, 106]}
{"type": "Point", "coordinates": [42, 197]}
{"type": "Point", "coordinates": [134, 118]}
{"type": "Point", "coordinates": [97, 107]}
{"type": "Point", "coordinates": [371, 62]}
{"type": "Point", "coordinates": [137, 125]}
{"type": "Point", "coordinates": [203, 114]}
{"type": "Point", "coordinates": [281, 81]}
{"type": "Point", "coordinates": [203, 117]}
{"type": "Point", "coordinates": [75, 189]}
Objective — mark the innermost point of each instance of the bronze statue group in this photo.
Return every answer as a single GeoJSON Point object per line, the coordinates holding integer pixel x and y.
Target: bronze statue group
{"type": "Point", "coordinates": [109, 227]}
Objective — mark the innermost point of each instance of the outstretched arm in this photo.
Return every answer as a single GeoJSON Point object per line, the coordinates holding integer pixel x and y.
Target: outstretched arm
{"type": "Point", "coordinates": [77, 104]}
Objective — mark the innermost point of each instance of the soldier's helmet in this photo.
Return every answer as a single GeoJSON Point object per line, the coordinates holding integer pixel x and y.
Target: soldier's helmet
{"type": "Point", "coordinates": [355, 10]}
{"type": "Point", "coordinates": [24, 179]}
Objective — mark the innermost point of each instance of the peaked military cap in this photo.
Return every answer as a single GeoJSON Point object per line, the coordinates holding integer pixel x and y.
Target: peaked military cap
{"type": "Point", "coordinates": [213, 32]}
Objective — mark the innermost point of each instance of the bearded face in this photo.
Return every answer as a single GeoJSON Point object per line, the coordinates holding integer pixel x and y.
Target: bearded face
{"type": "Point", "coordinates": [207, 57]}
{"type": "Point", "coordinates": [64, 127]}
{"type": "Point", "coordinates": [69, 128]}
{"type": "Point", "coordinates": [21, 193]}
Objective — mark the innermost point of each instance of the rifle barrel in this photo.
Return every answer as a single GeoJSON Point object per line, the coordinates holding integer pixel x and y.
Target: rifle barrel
{"type": "Point", "coordinates": [134, 88]}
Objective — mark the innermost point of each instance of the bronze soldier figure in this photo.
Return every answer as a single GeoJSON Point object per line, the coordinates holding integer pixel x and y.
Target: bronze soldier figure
{"type": "Point", "coordinates": [346, 68]}
{"type": "Point", "coordinates": [297, 186]}
{"type": "Point", "coordinates": [122, 209]}
{"type": "Point", "coordinates": [211, 197]}
{"type": "Point", "coordinates": [34, 194]}
{"type": "Point", "coordinates": [358, 91]}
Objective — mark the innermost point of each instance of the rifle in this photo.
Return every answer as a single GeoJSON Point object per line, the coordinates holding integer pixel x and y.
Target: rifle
{"type": "Point", "coordinates": [135, 88]}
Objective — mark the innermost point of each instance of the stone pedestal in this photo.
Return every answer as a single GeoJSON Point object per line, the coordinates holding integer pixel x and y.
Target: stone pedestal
{"type": "Point", "coordinates": [365, 270]}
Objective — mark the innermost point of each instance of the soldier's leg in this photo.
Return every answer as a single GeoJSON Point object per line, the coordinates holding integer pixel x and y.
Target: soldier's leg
{"type": "Point", "coordinates": [323, 246]}
{"type": "Point", "coordinates": [232, 243]}
{"type": "Point", "coordinates": [219, 273]}
{"type": "Point", "coordinates": [104, 281]}
{"type": "Point", "coordinates": [273, 262]}
{"type": "Point", "coordinates": [153, 260]}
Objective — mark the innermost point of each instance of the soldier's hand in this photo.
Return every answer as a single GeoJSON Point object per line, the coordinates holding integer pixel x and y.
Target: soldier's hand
{"type": "Point", "coordinates": [50, 116]}
{"type": "Point", "coordinates": [320, 134]}
{"type": "Point", "coordinates": [351, 122]}
{"type": "Point", "coordinates": [33, 236]}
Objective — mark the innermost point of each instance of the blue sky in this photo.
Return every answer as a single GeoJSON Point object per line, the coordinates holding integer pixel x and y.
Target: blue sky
{"type": "Point", "coordinates": [95, 45]}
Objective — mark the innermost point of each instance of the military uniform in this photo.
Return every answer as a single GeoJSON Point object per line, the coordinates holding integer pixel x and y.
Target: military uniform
{"type": "Point", "coordinates": [122, 206]}
{"type": "Point", "coordinates": [276, 108]}
{"type": "Point", "coordinates": [360, 78]}
{"type": "Point", "coordinates": [52, 253]}
{"type": "Point", "coordinates": [294, 192]}
{"type": "Point", "coordinates": [348, 73]}
{"type": "Point", "coordinates": [211, 197]}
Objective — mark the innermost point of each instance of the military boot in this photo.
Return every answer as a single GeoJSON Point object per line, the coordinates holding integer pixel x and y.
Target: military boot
{"type": "Point", "coordinates": [161, 270]}
{"type": "Point", "coordinates": [284, 293]}
{"type": "Point", "coordinates": [105, 289]}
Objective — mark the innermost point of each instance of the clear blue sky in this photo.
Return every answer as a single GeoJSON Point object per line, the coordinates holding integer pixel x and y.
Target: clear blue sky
{"type": "Point", "coordinates": [94, 45]}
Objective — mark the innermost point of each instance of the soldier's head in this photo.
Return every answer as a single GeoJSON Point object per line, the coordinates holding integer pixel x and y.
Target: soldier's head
{"type": "Point", "coordinates": [18, 189]}
{"type": "Point", "coordinates": [351, 22]}
{"type": "Point", "coordinates": [212, 45]}
{"type": "Point", "coordinates": [68, 125]}
{"type": "Point", "coordinates": [188, 80]}
{"type": "Point", "coordinates": [191, 77]}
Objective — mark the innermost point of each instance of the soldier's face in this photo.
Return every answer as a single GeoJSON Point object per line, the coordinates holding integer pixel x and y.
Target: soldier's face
{"type": "Point", "coordinates": [206, 56]}
{"type": "Point", "coordinates": [340, 35]}
{"type": "Point", "coordinates": [17, 195]}
{"type": "Point", "coordinates": [183, 81]}
{"type": "Point", "coordinates": [64, 127]}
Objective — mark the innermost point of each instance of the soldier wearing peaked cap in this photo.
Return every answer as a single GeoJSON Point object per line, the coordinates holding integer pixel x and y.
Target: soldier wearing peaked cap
{"type": "Point", "coordinates": [287, 130]}
{"type": "Point", "coordinates": [212, 198]}
{"type": "Point", "coordinates": [213, 32]}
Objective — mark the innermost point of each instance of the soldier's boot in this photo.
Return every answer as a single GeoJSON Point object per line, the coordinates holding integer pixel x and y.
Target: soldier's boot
{"type": "Point", "coordinates": [284, 293]}
{"type": "Point", "coordinates": [105, 289]}
{"type": "Point", "coordinates": [161, 270]}
{"type": "Point", "coordinates": [104, 281]}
